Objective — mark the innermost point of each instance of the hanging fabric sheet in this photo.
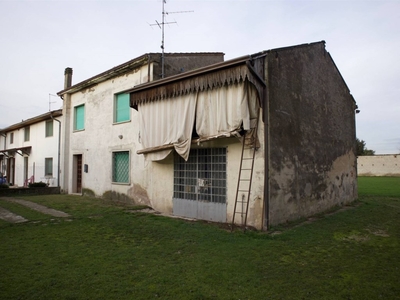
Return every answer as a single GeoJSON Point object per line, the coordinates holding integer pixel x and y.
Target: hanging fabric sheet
{"type": "Point", "coordinates": [168, 123]}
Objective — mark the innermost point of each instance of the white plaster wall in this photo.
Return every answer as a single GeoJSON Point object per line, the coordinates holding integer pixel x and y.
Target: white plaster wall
{"type": "Point", "coordinates": [101, 136]}
{"type": "Point", "coordinates": [42, 147]}
{"type": "Point", "coordinates": [379, 165]}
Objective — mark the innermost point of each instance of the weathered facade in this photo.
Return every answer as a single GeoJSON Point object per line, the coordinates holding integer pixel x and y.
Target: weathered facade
{"type": "Point", "coordinates": [30, 150]}
{"type": "Point", "coordinates": [179, 150]}
{"type": "Point", "coordinates": [305, 160]}
{"type": "Point", "coordinates": [101, 131]}
{"type": "Point", "coordinates": [379, 165]}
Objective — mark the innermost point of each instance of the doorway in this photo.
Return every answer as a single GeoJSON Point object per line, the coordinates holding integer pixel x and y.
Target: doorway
{"type": "Point", "coordinates": [77, 174]}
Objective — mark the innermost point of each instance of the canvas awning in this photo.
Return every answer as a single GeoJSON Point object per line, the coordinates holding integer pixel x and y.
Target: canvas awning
{"type": "Point", "coordinates": [215, 103]}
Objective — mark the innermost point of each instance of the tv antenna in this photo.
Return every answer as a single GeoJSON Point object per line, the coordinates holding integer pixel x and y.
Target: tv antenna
{"type": "Point", "coordinates": [161, 25]}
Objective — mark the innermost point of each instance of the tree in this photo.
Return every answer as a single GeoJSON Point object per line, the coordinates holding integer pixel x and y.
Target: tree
{"type": "Point", "coordinates": [362, 149]}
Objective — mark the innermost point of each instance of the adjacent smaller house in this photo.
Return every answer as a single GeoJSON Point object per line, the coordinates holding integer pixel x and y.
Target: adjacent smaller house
{"type": "Point", "coordinates": [29, 150]}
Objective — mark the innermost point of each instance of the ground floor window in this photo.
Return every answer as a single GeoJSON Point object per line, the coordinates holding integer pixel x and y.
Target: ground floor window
{"type": "Point", "coordinates": [48, 166]}
{"type": "Point", "coordinates": [120, 168]}
{"type": "Point", "coordinates": [202, 177]}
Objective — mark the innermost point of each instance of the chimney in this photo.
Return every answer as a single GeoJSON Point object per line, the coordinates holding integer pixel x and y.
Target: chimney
{"type": "Point", "coordinates": [67, 78]}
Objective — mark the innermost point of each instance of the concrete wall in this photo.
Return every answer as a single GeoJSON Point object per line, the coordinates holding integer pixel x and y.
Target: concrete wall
{"type": "Point", "coordinates": [379, 165]}
{"type": "Point", "coordinates": [312, 134]}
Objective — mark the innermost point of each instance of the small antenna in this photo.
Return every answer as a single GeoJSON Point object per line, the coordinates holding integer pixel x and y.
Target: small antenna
{"type": "Point", "coordinates": [161, 25]}
{"type": "Point", "coordinates": [51, 95]}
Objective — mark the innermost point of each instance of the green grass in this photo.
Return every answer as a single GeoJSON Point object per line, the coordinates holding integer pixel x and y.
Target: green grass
{"type": "Point", "coordinates": [109, 252]}
{"type": "Point", "coordinates": [379, 186]}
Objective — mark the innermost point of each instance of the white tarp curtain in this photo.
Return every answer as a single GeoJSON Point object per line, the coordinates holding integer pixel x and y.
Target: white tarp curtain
{"type": "Point", "coordinates": [216, 111]}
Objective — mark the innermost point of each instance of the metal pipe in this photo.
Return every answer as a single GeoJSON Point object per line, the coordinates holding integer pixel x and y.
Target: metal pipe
{"type": "Point", "coordinates": [59, 147]}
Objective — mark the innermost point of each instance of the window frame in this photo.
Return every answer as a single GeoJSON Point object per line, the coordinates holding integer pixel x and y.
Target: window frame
{"type": "Point", "coordinates": [11, 137]}
{"type": "Point", "coordinates": [48, 164]}
{"type": "Point", "coordinates": [114, 180]}
{"type": "Point", "coordinates": [76, 108]}
{"type": "Point", "coordinates": [117, 101]}
{"type": "Point", "coordinates": [52, 128]}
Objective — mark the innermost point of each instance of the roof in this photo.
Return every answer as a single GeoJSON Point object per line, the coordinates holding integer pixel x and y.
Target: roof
{"type": "Point", "coordinates": [245, 67]}
{"type": "Point", "coordinates": [218, 74]}
{"type": "Point", "coordinates": [37, 119]}
{"type": "Point", "coordinates": [125, 68]}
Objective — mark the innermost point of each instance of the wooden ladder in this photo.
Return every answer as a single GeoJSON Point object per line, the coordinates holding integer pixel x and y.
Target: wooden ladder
{"type": "Point", "coordinates": [245, 178]}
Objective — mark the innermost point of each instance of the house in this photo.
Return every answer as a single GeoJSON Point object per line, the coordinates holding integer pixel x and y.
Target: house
{"type": "Point", "coordinates": [259, 140]}
{"type": "Point", "coordinates": [100, 131]}
{"type": "Point", "coordinates": [30, 150]}
{"type": "Point", "coordinates": [290, 105]}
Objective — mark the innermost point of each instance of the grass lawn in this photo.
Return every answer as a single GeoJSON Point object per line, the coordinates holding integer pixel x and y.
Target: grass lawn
{"type": "Point", "coordinates": [109, 252]}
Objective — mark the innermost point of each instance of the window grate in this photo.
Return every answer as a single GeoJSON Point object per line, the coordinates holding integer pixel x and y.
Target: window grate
{"type": "Point", "coordinates": [121, 167]}
{"type": "Point", "coordinates": [202, 177]}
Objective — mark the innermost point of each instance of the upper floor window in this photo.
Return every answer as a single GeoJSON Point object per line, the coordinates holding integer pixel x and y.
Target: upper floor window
{"type": "Point", "coordinates": [27, 133]}
{"type": "Point", "coordinates": [11, 137]}
{"type": "Point", "coordinates": [122, 111]}
{"type": "Point", "coordinates": [49, 128]}
{"type": "Point", "coordinates": [79, 117]}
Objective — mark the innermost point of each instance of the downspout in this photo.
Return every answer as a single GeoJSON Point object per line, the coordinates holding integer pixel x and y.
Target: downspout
{"type": "Point", "coordinates": [59, 148]}
{"type": "Point", "coordinates": [267, 147]}
{"type": "Point", "coordinates": [148, 67]}
{"type": "Point", "coordinates": [5, 146]}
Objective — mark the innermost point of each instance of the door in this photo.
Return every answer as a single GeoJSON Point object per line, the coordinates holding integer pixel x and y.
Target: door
{"type": "Point", "coordinates": [11, 170]}
{"type": "Point", "coordinates": [200, 185]}
{"type": "Point", "coordinates": [77, 174]}
{"type": "Point", "coordinates": [25, 170]}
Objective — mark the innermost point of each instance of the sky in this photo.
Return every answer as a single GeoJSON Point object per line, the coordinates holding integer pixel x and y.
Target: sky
{"type": "Point", "coordinates": [39, 39]}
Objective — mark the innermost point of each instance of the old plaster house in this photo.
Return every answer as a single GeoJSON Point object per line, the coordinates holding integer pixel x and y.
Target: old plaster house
{"type": "Point", "coordinates": [259, 140]}
{"type": "Point", "coordinates": [100, 130]}
{"type": "Point", "coordinates": [30, 150]}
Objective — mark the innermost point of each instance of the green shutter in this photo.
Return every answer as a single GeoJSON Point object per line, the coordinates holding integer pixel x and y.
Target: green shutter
{"type": "Point", "coordinates": [122, 109]}
{"type": "Point", "coordinates": [80, 117]}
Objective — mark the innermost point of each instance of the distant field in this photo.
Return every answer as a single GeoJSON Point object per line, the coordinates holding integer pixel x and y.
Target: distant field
{"type": "Point", "coordinates": [379, 186]}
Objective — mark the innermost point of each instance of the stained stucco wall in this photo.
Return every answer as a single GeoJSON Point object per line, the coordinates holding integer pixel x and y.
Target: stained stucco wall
{"type": "Point", "coordinates": [312, 134]}
{"type": "Point", "coordinates": [379, 165]}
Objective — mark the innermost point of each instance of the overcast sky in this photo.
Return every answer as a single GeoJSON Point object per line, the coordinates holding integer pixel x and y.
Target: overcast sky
{"type": "Point", "coordinates": [39, 39]}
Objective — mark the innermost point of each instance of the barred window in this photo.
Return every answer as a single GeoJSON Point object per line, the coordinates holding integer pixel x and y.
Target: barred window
{"type": "Point", "coordinates": [120, 168]}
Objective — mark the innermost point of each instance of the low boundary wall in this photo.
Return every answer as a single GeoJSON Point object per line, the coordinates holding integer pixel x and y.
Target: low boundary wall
{"type": "Point", "coordinates": [379, 165]}
{"type": "Point", "coordinates": [29, 191]}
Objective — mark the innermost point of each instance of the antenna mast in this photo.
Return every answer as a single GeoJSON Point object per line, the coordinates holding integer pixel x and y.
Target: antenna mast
{"type": "Point", "coordinates": [161, 25]}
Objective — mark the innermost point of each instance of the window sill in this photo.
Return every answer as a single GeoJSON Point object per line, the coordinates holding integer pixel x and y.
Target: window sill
{"type": "Point", "coordinates": [79, 130]}
{"type": "Point", "coordinates": [121, 183]}
{"type": "Point", "coordinates": [122, 122]}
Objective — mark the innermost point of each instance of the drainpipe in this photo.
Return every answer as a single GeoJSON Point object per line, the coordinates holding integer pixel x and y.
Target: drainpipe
{"type": "Point", "coordinates": [59, 148]}
{"type": "Point", "coordinates": [148, 67]}
{"type": "Point", "coordinates": [5, 146]}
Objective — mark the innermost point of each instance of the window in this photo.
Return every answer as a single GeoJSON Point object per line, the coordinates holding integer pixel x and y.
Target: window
{"type": "Point", "coordinates": [122, 109]}
{"type": "Point", "coordinates": [202, 177]}
{"type": "Point", "coordinates": [79, 118]}
{"type": "Point", "coordinates": [27, 134]}
{"type": "Point", "coordinates": [11, 137]}
{"type": "Point", "coordinates": [49, 128]}
{"type": "Point", "coordinates": [48, 166]}
{"type": "Point", "coordinates": [120, 172]}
